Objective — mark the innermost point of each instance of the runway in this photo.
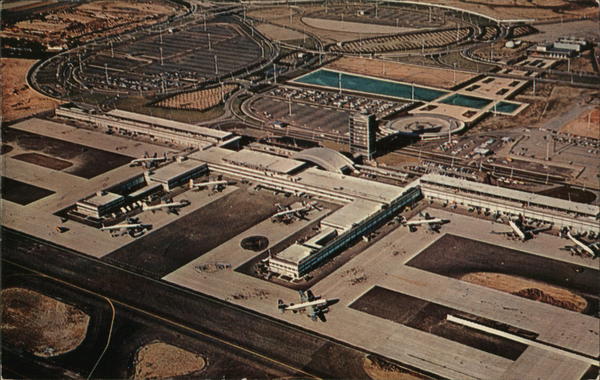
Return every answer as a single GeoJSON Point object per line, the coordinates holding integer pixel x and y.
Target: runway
{"type": "Point", "coordinates": [283, 347]}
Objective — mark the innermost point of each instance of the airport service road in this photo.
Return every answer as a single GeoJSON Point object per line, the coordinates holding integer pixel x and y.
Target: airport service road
{"type": "Point", "coordinates": [408, 345]}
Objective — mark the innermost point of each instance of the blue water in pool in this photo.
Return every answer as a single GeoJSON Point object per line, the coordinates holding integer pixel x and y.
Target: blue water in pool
{"type": "Point", "coordinates": [466, 101]}
{"type": "Point", "coordinates": [506, 107]}
{"type": "Point", "coordinates": [327, 78]}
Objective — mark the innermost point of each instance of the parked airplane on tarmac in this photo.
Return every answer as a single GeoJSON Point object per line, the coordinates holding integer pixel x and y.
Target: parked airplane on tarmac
{"type": "Point", "coordinates": [133, 227]}
{"type": "Point", "coordinates": [318, 306]}
{"type": "Point", "coordinates": [520, 230]}
{"type": "Point", "coordinates": [581, 247]}
{"type": "Point", "coordinates": [217, 185]}
{"type": "Point", "coordinates": [433, 224]}
{"type": "Point", "coordinates": [171, 207]}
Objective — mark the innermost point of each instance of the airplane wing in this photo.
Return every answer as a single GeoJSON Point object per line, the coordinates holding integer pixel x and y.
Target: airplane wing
{"type": "Point", "coordinates": [317, 313]}
{"type": "Point", "coordinates": [300, 215]}
{"type": "Point", "coordinates": [321, 316]}
{"type": "Point", "coordinates": [434, 227]}
{"type": "Point", "coordinates": [311, 296]}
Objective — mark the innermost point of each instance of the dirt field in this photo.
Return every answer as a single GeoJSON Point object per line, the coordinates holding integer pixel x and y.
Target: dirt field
{"type": "Point", "coordinates": [523, 287]}
{"type": "Point", "coordinates": [348, 26]}
{"type": "Point", "coordinates": [587, 125]}
{"type": "Point", "coordinates": [39, 324]}
{"type": "Point", "coordinates": [281, 16]}
{"type": "Point", "coordinates": [381, 370]}
{"type": "Point", "coordinates": [583, 63]}
{"type": "Point", "coordinates": [18, 99]}
{"type": "Point", "coordinates": [426, 76]}
{"type": "Point", "coordinates": [511, 9]}
{"type": "Point", "coordinates": [278, 33]}
{"type": "Point", "coordinates": [541, 109]}
{"type": "Point", "coordinates": [456, 257]}
{"type": "Point", "coordinates": [160, 361]}
{"type": "Point", "coordinates": [396, 160]}
{"type": "Point", "coordinates": [198, 100]}
{"type": "Point", "coordinates": [90, 20]}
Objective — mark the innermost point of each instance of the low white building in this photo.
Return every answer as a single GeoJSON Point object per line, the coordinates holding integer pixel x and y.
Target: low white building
{"type": "Point", "coordinates": [580, 217]}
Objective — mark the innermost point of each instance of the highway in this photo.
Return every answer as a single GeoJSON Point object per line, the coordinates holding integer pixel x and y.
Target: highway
{"type": "Point", "coordinates": [267, 340]}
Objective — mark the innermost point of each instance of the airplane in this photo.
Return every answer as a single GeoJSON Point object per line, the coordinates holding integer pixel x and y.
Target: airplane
{"type": "Point", "coordinates": [217, 185]}
{"type": "Point", "coordinates": [581, 247]}
{"type": "Point", "coordinates": [433, 224]}
{"type": "Point", "coordinates": [147, 160]}
{"type": "Point", "coordinates": [172, 207]}
{"type": "Point", "coordinates": [318, 306]}
{"type": "Point", "coordinates": [520, 230]}
{"type": "Point", "coordinates": [286, 214]}
{"type": "Point", "coordinates": [133, 227]}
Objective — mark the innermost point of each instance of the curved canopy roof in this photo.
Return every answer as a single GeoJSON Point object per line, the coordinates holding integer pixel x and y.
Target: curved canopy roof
{"type": "Point", "coordinates": [326, 158]}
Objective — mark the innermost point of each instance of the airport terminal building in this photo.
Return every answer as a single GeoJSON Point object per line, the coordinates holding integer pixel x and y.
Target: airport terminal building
{"type": "Point", "coordinates": [338, 231]}
{"type": "Point", "coordinates": [561, 213]}
{"type": "Point", "coordinates": [155, 128]}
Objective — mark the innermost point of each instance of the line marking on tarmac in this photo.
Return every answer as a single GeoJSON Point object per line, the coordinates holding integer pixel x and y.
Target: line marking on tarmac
{"type": "Point", "coordinates": [171, 322]}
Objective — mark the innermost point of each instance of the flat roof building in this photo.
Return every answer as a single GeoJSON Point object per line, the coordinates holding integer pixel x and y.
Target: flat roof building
{"type": "Point", "coordinates": [176, 126]}
{"type": "Point", "coordinates": [99, 204]}
{"type": "Point", "coordinates": [340, 230]}
{"type": "Point", "coordinates": [164, 130]}
{"type": "Point", "coordinates": [176, 173]}
{"type": "Point", "coordinates": [326, 184]}
{"type": "Point", "coordinates": [562, 213]}
{"type": "Point", "coordinates": [351, 214]}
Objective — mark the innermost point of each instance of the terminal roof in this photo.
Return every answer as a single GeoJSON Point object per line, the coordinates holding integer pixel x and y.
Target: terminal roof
{"type": "Point", "coordinates": [249, 158]}
{"type": "Point", "coordinates": [345, 185]}
{"type": "Point", "coordinates": [103, 199]}
{"type": "Point", "coordinates": [169, 172]}
{"type": "Point", "coordinates": [185, 127]}
{"type": "Point", "coordinates": [350, 186]}
{"type": "Point", "coordinates": [265, 161]}
{"type": "Point", "coordinates": [353, 213]}
{"type": "Point", "coordinates": [294, 253]}
{"type": "Point", "coordinates": [516, 195]}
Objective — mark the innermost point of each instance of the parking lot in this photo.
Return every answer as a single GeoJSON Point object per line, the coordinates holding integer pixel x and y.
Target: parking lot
{"type": "Point", "coordinates": [310, 117]}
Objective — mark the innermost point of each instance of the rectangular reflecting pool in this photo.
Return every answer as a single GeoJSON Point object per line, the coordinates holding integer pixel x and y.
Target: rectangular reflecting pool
{"type": "Point", "coordinates": [350, 82]}
{"type": "Point", "coordinates": [506, 107]}
{"type": "Point", "coordinates": [466, 101]}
